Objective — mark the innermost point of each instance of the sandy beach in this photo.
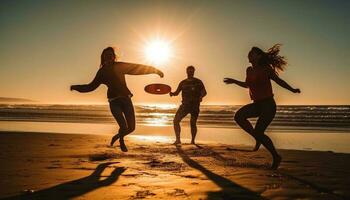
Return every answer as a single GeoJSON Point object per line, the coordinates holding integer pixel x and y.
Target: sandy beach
{"type": "Point", "coordinates": [71, 166]}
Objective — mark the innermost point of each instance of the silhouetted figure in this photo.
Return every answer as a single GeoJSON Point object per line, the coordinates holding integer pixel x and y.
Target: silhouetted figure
{"type": "Point", "coordinates": [112, 74]}
{"type": "Point", "coordinates": [193, 91]}
{"type": "Point", "coordinates": [265, 66]}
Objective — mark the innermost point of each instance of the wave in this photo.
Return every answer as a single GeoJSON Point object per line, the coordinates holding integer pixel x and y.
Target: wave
{"type": "Point", "coordinates": [310, 117]}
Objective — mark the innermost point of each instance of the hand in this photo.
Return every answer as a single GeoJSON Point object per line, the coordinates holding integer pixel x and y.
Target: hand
{"type": "Point", "coordinates": [160, 73]}
{"type": "Point", "coordinates": [297, 90]}
{"type": "Point", "coordinates": [229, 80]}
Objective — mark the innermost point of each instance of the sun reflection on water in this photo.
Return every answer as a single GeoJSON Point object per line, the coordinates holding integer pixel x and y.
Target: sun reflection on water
{"type": "Point", "coordinates": [158, 106]}
{"type": "Point", "coordinates": [152, 138]}
{"type": "Point", "coordinates": [160, 120]}
{"type": "Point", "coordinates": [158, 114]}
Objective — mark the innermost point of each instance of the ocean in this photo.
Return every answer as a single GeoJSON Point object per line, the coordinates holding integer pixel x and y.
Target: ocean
{"type": "Point", "coordinates": [324, 127]}
{"type": "Point", "coordinates": [332, 118]}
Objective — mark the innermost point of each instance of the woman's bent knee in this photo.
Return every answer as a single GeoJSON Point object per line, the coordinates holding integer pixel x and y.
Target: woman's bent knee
{"type": "Point", "coordinates": [123, 130]}
{"type": "Point", "coordinates": [131, 129]}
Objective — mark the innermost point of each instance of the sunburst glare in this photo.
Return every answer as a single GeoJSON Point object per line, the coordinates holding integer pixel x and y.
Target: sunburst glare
{"type": "Point", "coordinates": [158, 51]}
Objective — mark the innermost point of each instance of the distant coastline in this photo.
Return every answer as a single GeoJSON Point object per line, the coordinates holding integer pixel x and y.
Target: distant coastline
{"type": "Point", "coordinates": [14, 100]}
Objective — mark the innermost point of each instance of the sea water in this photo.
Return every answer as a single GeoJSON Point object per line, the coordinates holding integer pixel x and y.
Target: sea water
{"type": "Point", "coordinates": [294, 127]}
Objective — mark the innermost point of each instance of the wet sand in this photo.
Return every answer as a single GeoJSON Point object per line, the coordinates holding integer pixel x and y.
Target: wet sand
{"type": "Point", "coordinates": [71, 166]}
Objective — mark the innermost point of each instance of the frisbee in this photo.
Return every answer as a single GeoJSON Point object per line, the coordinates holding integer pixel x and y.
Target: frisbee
{"type": "Point", "coordinates": [158, 88]}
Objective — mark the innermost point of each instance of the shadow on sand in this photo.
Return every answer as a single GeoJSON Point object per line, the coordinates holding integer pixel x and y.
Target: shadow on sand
{"type": "Point", "coordinates": [77, 187]}
{"type": "Point", "coordinates": [213, 153]}
{"type": "Point", "coordinates": [219, 157]}
{"type": "Point", "coordinates": [229, 189]}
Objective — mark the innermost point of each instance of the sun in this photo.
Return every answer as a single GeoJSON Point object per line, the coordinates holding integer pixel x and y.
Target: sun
{"type": "Point", "coordinates": [158, 51]}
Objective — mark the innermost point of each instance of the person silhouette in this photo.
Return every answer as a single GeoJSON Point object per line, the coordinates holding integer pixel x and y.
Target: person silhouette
{"type": "Point", "coordinates": [265, 67]}
{"type": "Point", "coordinates": [112, 74]}
{"type": "Point", "coordinates": [193, 91]}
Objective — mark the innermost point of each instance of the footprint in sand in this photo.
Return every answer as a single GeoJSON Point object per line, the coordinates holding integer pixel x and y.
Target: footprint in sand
{"type": "Point", "coordinates": [131, 175]}
{"type": "Point", "coordinates": [178, 192]}
{"type": "Point", "coordinates": [54, 167]}
{"type": "Point", "coordinates": [189, 176]}
{"type": "Point", "coordinates": [54, 145]}
{"type": "Point", "coordinates": [54, 164]}
{"type": "Point", "coordinates": [102, 156]}
{"type": "Point", "coordinates": [168, 166]}
{"type": "Point", "coordinates": [103, 146]}
{"type": "Point", "coordinates": [142, 194]}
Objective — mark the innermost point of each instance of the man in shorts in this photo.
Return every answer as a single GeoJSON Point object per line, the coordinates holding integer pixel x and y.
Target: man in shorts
{"type": "Point", "coordinates": [193, 91]}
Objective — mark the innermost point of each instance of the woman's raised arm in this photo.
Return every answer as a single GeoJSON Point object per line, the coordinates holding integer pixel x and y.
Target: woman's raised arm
{"type": "Point", "coordinates": [282, 83]}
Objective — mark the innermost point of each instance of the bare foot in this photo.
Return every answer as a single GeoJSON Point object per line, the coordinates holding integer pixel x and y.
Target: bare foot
{"type": "Point", "coordinates": [122, 145]}
{"type": "Point", "coordinates": [114, 139]}
{"type": "Point", "coordinates": [177, 143]}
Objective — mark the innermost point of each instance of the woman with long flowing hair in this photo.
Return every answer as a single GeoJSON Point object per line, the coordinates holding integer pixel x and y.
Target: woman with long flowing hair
{"type": "Point", "coordinates": [112, 74]}
{"type": "Point", "coordinates": [265, 67]}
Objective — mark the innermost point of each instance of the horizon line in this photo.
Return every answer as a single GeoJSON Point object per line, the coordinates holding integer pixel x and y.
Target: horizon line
{"type": "Point", "coordinates": [152, 104]}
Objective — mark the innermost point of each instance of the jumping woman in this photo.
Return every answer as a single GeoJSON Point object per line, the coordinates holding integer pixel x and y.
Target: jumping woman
{"type": "Point", "coordinates": [112, 74]}
{"type": "Point", "coordinates": [265, 67]}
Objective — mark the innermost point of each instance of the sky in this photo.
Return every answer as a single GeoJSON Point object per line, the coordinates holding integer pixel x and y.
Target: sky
{"type": "Point", "coordinates": [46, 46]}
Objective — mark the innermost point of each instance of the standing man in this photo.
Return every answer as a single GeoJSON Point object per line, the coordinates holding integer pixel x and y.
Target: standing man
{"type": "Point", "coordinates": [193, 91]}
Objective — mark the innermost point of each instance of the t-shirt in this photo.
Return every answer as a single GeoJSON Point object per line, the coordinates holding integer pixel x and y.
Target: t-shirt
{"type": "Point", "coordinates": [192, 90]}
{"type": "Point", "coordinates": [259, 83]}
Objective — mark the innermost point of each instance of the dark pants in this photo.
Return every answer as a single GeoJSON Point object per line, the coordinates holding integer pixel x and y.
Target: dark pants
{"type": "Point", "coordinates": [183, 110]}
{"type": "Point", "coordinates": [123, 111]}
{"type": "Point", "coordinates": [265, 110]}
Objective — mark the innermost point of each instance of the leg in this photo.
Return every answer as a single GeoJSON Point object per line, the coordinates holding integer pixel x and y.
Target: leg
{"type": "Point", "coordinates": [194, 117]}
{"type": "Point", "coordinates": [129, 113]}
{"type": "Point", "coordinates": [267, 114]}
{"type": "Point", "coordinates": [180, 114]}
{"type": "Point", "coordinates": [117, 113]}
{"type": "Point", "coordinates": [241, 118]}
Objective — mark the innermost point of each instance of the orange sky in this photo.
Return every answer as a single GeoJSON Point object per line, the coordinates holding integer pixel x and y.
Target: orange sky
{"type": "Point", "coordinates": [48, 46]}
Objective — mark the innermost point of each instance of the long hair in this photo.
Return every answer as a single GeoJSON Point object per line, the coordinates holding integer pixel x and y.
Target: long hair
{"type": "Point", "coordinates": [272, 58]}
{"type": "Point", "coordinates": [104, 55]}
